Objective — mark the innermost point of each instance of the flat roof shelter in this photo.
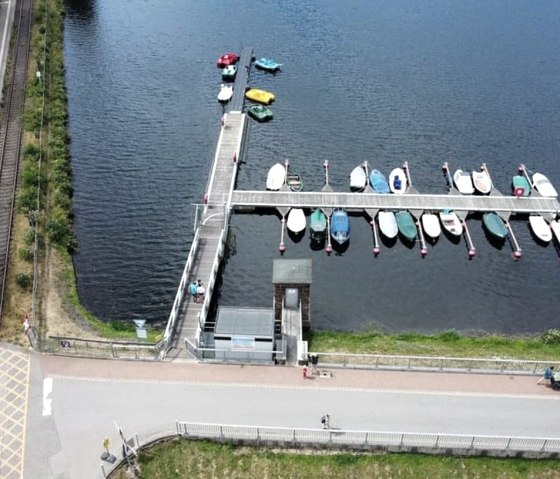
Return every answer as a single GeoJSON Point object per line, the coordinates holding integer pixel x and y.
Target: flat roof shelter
{"type": "Point", "coordinates": [244, 334]}
{"type": "Point", "coordinates": [291, 271]}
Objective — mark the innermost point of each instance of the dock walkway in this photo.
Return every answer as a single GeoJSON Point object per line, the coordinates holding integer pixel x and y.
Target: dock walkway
{"type": "Point", "coordinates": [412, 202]}
{"type": "Point", "coordinates": [211, 232]}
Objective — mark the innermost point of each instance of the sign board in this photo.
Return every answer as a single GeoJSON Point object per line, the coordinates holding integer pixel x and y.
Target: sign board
{"type": "Point", "coordinates": [141, 332]}
{"type": "Point", "coordinates": [242, 343]}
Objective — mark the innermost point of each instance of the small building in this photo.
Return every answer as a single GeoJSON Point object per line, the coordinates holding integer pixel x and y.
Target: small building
{"type": "Point", "coordinates": [244, 334]}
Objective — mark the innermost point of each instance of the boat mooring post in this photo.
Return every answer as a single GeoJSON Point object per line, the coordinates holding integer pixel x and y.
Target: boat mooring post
{"type": "Point", "coordinates": [423, 247]}
{"type": "Point", "coordinates": [472, 248]}
{"type": "Point", "coordinates": [445, 168]}
{"type": "Point", "coordinates": [515, 244]}
{"type": "Point", "coordinates": [522, 170]}
{"type": "Point", "coordinates": [326, 167]}
{"type": "Point", "coordinates": [329, 248]}
{"type": "Point", "coordinates": [376, 249]}
{"type": "Point", "coordinates": [407, 173]}
{"type": "Point", "coordinates": [282, 247]}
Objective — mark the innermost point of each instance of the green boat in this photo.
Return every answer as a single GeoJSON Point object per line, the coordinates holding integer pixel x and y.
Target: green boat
{"type": "Point", "coordinates": [229, 72]}
{"type": "Point", "coordinates": [494, 225]}
{"type": "Point", "coordinates": [260, 112]}
{"type": "Point", "coordinates": [318, 225]}
{"type": "Point", "coordinates": [406, 225]}
{"type": "Point", "coordinates": [521, 186]}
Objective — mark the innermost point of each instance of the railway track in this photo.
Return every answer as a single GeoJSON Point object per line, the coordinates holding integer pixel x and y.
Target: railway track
{"type": "Point", "coordinates": [11, 133]}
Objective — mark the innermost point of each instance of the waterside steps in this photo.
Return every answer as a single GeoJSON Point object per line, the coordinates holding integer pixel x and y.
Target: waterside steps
{"type": "Point", "coordinates": [188, 318]}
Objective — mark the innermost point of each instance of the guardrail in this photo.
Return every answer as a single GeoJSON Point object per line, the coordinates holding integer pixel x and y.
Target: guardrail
{"type": "Point", "coordinates": [367, 440]}
{"type": "Point", "coordinates": [338, 439]}
{"type": "Point", "coordinates": [237, 357]}
{"type": "Point", "coordinates": [166, 341]}
{"type": "Point", "coordinates": [90, 348]}
{"type": "Point", "coordinates": [430, 363]}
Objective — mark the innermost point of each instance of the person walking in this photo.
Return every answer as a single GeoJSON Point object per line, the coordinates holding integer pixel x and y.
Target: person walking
{"type": "Point", "coordinates": [326, 421]}
{"type": "Point", "coordinates": [547, 376]}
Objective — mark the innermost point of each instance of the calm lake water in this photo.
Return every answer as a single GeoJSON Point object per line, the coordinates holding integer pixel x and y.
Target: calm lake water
{"type": "Point", "coordinates": [386, 82]}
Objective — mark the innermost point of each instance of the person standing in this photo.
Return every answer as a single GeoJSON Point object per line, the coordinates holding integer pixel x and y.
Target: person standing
{"type": "Point", "coordinates": [326, 421]}
{"type": "Point", "coordinates": [547, 376]}
{"type": "Point", "coordinates": [200, 291]}
{"type": "Point", "coordinates": [194, 291]}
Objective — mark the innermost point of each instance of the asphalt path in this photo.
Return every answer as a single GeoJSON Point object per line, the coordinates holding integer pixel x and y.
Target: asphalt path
{"type": "Point", "coordinates": [66, 427]}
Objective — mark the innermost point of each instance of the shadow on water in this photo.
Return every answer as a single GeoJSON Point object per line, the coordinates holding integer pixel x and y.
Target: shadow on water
{"type": "Point", "coordinates": [388, 242]}
{"type": "Point", "coordinates": [340, 249]}
{"type": "Point", "coordinates": [82, 9]}
{"type": "Point", "coordinates": [315, 245]}
{"type": "Point", "coordinates": [296, 237]}
{"type": "Point", "coordinates": [496, 243]}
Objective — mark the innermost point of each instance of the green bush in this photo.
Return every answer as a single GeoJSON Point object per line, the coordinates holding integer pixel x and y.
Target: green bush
{"type": "Point", "coordinates": [26, 254]}
{"type": "Point", "coordinates": [450, 335]}
{"type": "Point", "coordinates": [24, 280]}
{"type": "Point", "coordinates": [552, 336]}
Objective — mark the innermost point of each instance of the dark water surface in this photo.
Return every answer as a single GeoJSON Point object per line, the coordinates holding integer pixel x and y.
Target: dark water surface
{"type": "Point", "coordinates": [386, 82]}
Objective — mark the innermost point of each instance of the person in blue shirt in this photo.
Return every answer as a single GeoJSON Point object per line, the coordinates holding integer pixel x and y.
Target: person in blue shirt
{"type": "Point", "coordinates": [194, 291]}
{"type": "Point", "coordinates": [547, 376]}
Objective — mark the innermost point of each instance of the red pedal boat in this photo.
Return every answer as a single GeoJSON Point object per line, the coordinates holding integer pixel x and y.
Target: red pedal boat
{"type": "Point", "coordinates": [227, 59]}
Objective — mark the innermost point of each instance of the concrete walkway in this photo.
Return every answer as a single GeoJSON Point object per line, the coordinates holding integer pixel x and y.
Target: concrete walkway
{"type": "Point", "coordinates": [88, 395]}
{"type": "Point", "coordinates": [73, 404]}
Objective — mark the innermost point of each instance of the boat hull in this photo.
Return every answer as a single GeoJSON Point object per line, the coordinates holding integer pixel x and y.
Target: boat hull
{"type": "Point", "coordinates": [318, 225]}
{"type": "Point", "coordinates": [294, 181]}
{"type": "Point", "coordinates": [521, 186]}
{"type": "Point", "coordinates": [379, 182]}
{"type": "Point", "coordinates": [406, 225]}
{"type": "Point", "coordinates": [268, 65]}
{"type": "Point", "coordinates": [555, 227]}
{"type": "Point", "coordinates": [482, 182]}
{"type": "Point", "coordinates": [398, 181]}
{"type": "Point", "coordinates": [296, 221]}
{"type": "Point", "coordinates": [260, 113]}
{"type": "Point", "coordinates": [358, 179]}
{"type": "Point", "coordinates": [542, 184]}
{"type": "Point", "coordinates": [340, 226]}
{"type": "Point", "coordinates": [225, 94]}
{"type": "Point", "coordinates": [451, 223]}
{"type": "Point", "coordinates": [387, 224]}
{"type": "Point", "coordinates": [540, 228]}
{"type": "Point", "coordinates": [495, 225]}
{"type": "Point", "coordinates": [463, 182]}
{"type": "Point", "coordinates": [260, 96]}
{"type": "Point", "coordinates": [276, 177]}
{"type": "Point", "coordinates": [431, 226]}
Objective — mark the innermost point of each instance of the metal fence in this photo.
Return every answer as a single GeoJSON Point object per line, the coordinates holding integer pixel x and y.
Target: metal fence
{"type": "Point", "coordinates": [88, 348]}
{"type": "Point", "coordinates": [371, 440]}
{"type": "Point", "coordinates": [429, 363]}
{"type": "Point", "coordinates": [238, 356]}
{"type": "Point", "coordinates": [338, 439]}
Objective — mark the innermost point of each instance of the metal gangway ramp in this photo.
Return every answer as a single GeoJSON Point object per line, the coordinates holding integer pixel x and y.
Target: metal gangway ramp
{"type": "Point", "coordinates": [188, 317]}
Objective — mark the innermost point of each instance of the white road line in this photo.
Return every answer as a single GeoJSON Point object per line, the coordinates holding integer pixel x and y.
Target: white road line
{"type": "Point", "coordinates": [47, 400]}
{"type": "Point", "coordinates": [350, 389]}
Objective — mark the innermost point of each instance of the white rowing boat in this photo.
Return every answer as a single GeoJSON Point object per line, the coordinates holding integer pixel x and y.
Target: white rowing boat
{"type": "Point", "coordinates": [296, 221]}
{"type": "Point", "coordinates": [276, 177]}
{"type": "Point", "coordinates": [540, 228]}
{"type": "Point", "coordinates": [430, 224]}
{"type": "Point", "coordinates": [451, 222]}
{"type": "Point", "coordinates": [542, 184]}
{"type": "Point", "coordinates": [358, 179]}
{"type": "Point", "coordinates": [398, 181]}
{"type": "Point", "coordinates": [388, 224]}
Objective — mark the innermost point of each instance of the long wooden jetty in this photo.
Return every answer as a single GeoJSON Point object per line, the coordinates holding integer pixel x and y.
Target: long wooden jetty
{"type": "Point", "coordinates": [412, 202]}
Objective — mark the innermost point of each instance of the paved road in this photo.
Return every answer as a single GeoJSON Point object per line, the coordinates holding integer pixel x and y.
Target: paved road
{"type": "Point", "coordinates": [65, 428]}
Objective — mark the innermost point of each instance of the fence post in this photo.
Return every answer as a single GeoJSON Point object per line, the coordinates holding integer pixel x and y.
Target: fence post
{"type": "Point", "coordinates": [103, 471]}
{"type": "Point", "coordinates": [472, 443]}
{"type": "Point", "coordinates": [508, 443]}
{"type": "Point", "coordinates": [437, 441]}
{"type": "Point", "coordinates": [544, 444]}
{"type": "Point", "coordinates": [366, 439]}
